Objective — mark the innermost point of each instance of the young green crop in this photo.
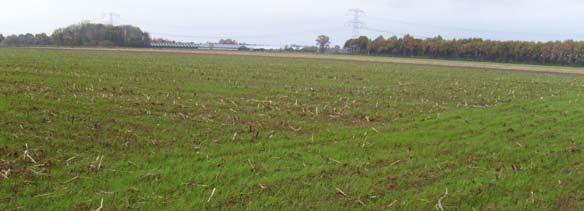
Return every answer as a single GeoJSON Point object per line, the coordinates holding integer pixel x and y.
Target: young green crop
{"type": "Point", "coordinates": [176, 131]}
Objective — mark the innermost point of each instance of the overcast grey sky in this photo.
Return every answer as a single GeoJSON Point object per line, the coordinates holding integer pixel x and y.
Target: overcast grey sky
{"type": "Point", "coordinates": [280, 22]}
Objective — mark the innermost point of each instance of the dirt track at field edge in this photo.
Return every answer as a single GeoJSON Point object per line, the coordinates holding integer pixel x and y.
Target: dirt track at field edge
{"type": "Point", "coordinates": [352, 58]}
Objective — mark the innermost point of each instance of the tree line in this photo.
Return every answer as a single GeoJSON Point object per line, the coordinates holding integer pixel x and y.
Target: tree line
{"type": "Point", "coordinates": [567, 52]}
{"type": "Point", "coordinates": [25, 39]}
{"type": "Point", "coordinates": [84, 34]}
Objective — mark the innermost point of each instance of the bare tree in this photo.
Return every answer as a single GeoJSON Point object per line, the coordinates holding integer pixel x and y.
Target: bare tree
{"type": "Point", "coordinates": [323, 42]}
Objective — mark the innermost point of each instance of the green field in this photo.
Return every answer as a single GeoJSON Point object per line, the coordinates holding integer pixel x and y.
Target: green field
{"type": "Point", "coordinates": [157, 131]}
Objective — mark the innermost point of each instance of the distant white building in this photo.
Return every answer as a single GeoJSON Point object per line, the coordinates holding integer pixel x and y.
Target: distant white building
{"type": "Point", "coordinates": [212, 46]}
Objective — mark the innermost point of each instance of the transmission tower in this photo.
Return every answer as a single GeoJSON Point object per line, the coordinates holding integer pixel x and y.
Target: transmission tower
{"type": "Point", "coordinates": [356, 22]}
{"type": "Point", "coordinates": [111, 16]}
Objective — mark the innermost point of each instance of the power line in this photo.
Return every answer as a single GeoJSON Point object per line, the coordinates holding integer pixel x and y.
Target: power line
{"type": "Point", "coordinates": [356, 23]}
{"type": "Point", "coordinates": [248, 36]}
{"type": "Point", "coordinates": [280, 36]}
{"type": "Point", "coordinates": [420, 24]}
{"type": "Point", "coordinates": [187, 36]}
{"type": "Point", "coordinates": [111, 16]}
{"type": "Point", "coordinates": [476, 30]}
{"type": "Point", "coordinates": [183, 32]}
